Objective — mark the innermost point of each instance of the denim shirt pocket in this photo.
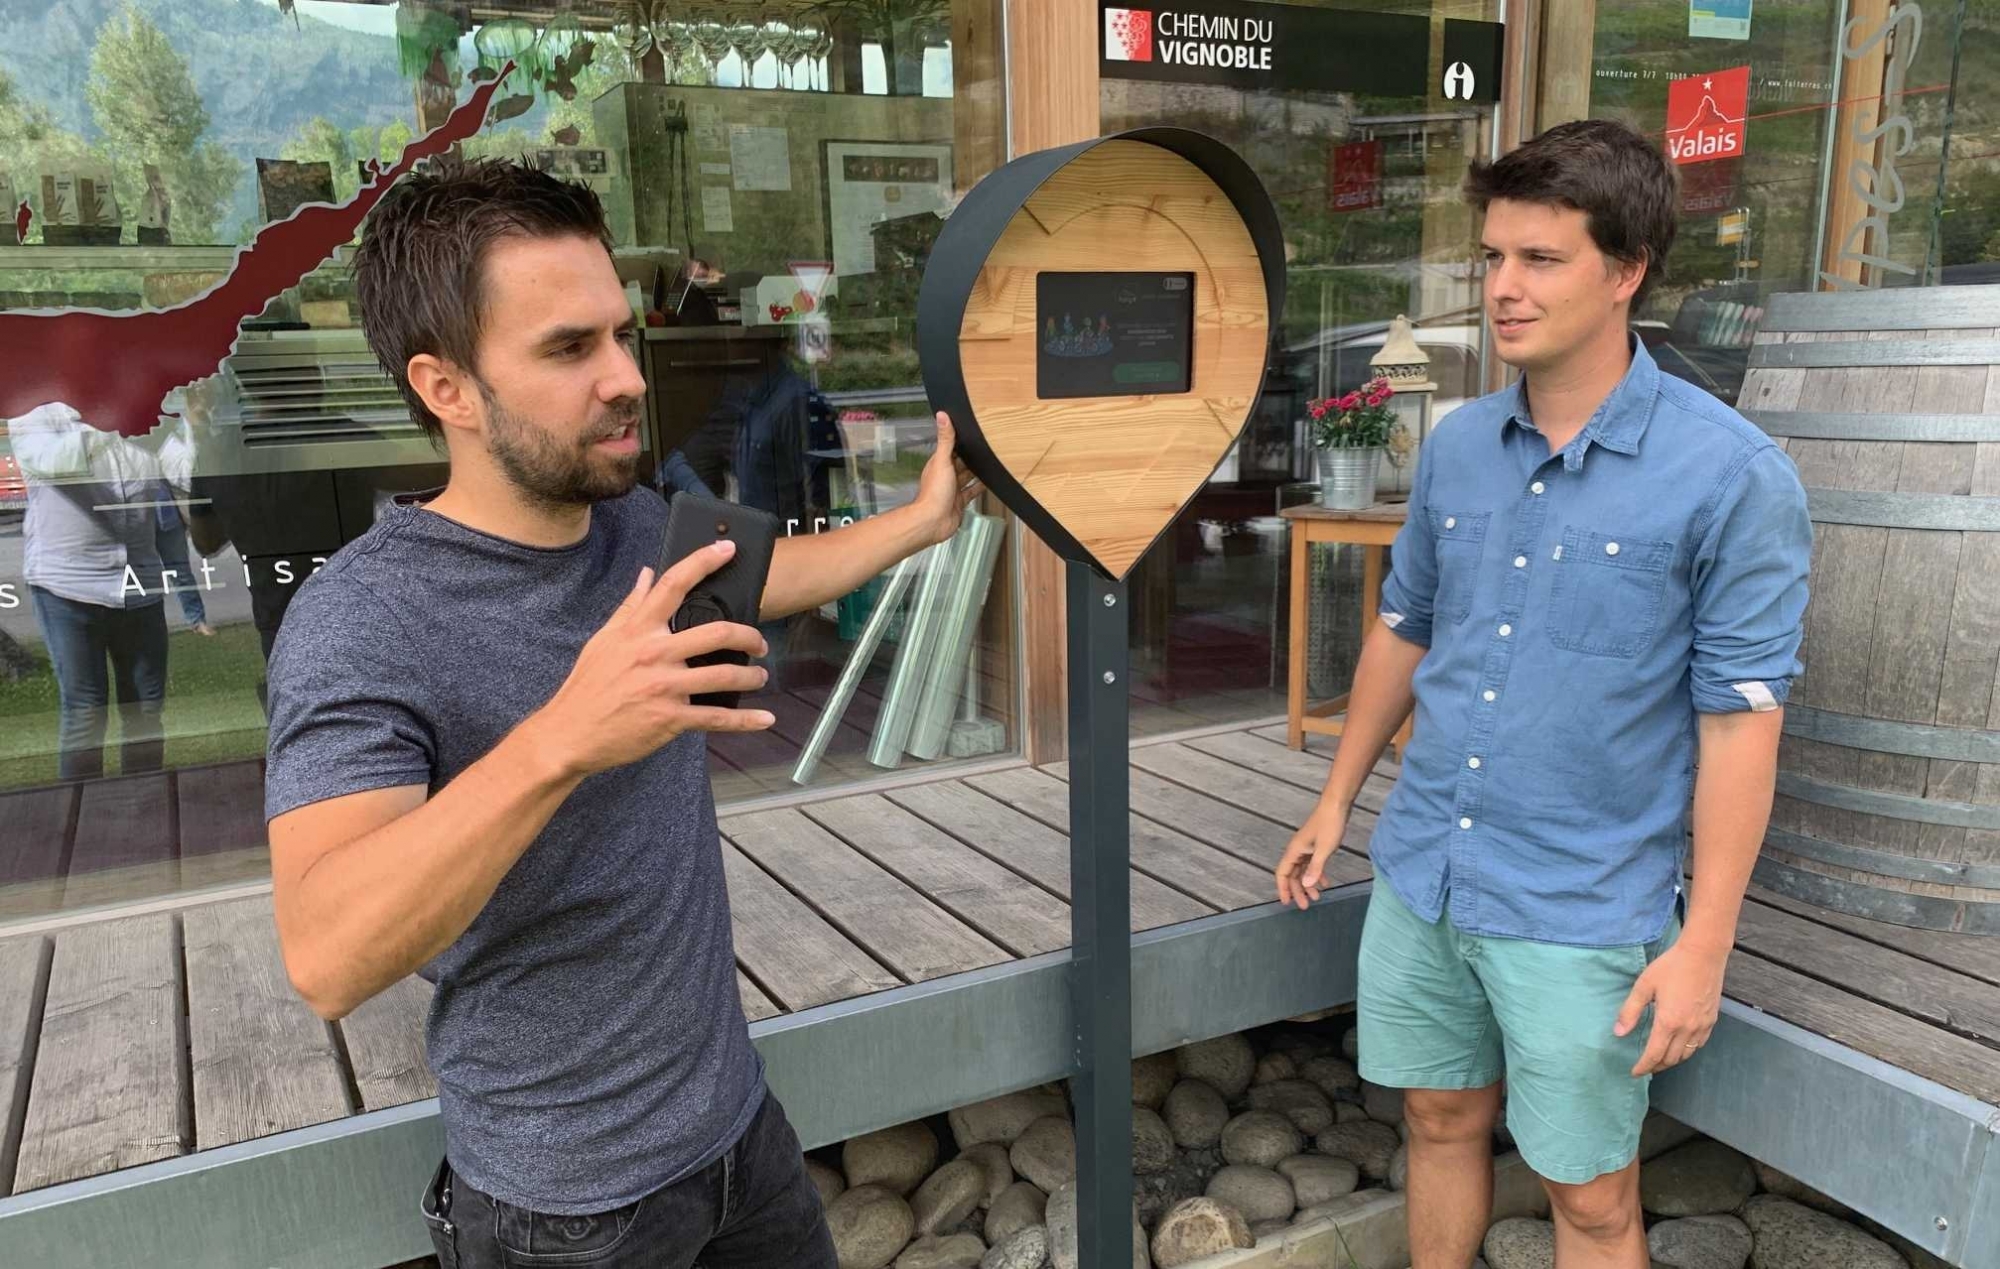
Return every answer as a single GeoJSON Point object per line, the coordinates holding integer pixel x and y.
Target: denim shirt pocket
{"type": "Point", "coordinates": [1461, 541]}
{"type": "Point", "coordinates": [1608, 592]}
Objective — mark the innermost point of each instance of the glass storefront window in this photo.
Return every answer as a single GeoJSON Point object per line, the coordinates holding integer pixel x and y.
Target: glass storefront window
{"type": "Point", "coordinates": [1863, 154]}
{"type": "Point", "coordinates": [1367, 191]}
{"type": "Point", "coordinates": [774, 176]}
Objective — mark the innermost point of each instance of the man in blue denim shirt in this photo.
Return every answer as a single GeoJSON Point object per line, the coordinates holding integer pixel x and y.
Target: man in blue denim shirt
{"type": "Point", "coordinates": [1602, 577]}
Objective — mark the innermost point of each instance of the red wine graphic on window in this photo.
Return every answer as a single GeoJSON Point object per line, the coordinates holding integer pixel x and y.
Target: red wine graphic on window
{"type": "Point", "coordinates": [113, 368]}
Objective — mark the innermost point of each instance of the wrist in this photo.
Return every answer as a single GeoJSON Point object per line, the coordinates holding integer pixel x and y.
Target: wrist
{"type": "Point", "coordinates": [543, 754]}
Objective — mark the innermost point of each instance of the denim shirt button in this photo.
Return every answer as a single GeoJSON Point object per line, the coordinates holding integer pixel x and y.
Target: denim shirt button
{"type": "Point", "coordinates": [1611, 548]}
{"type": "Point", "coordinates": [1536, 487]}
{"type": "Point", "coordinates": [1506, 630]}
{"type": "Point", "coordinates": [1465, 823]}
{"type": "Point", "coordinates": [1491, 695]}
{"type": "Point", "coordinates": [1451, 522]}
{"type": "Point", "coordinates": [1473, 763]}
{"type": "Point", "coordinates": [1520, 561]}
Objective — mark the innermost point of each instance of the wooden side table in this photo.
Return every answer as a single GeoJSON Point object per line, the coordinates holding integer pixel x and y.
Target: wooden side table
{"type": "Point", "coordinates": [1373, 530]}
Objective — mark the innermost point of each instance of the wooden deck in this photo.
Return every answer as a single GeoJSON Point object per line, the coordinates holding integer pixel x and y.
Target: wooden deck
{"type": "Point", "coordinates": [131, 1040]}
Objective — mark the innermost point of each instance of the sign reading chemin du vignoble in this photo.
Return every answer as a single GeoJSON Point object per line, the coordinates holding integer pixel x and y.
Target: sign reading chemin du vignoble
{"type": "Point", "coordinates": [1251, 45]}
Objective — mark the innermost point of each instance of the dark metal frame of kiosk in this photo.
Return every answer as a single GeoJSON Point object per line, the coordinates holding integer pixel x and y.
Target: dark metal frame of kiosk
{"type": "Point", "coordinates": [1099, 697]}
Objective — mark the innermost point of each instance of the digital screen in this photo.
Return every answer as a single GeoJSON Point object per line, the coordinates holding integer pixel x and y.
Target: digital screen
{"type": "Point", "coordinates": [1113, 334]}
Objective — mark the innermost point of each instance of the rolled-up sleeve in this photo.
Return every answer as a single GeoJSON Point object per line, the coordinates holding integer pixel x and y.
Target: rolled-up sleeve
{"type": "Point", "coordinates": [1409, 592]}
{"type": "Point", "coordinates": [1749, 588]}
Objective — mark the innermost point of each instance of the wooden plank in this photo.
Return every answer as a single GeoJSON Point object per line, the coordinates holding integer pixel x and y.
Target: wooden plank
{"type": "Point", "coordinates": [1308, 770]}
{"type": "Point", "coordinates": [800, 959]}
{"type": "Point", "coordinates": [125, 842]}
{"type": "Point", "coordinates": [34, 833]}
{"type": "Point", "coordinates": [1221, 880]}
{"type": "Point", "coordinates": [1973, 954]}
{"type": "Point", "coordinates": [385, 1046]}
{"type": "Point", "coordinates": [110, 1086]}
{"type": "Point", "coordinates": [895, 924]}
{"type": "Point", "coordinates": [1936, 1054]}
{"type": "Point", "coordinates": [756, 1005]}
{"type": "Point", "coordinates": [1031, 848]}
{"type": "Point", "coordinates": [262, 1061]}
{"type": "Point", "coordinates": [24, 978]}
{"type": "Point", "coordinates": [1024, 919]}
{"type": "Point", "coordinates": [1922, 990]}
{"type": "Point", "coordinates": [222, 836]}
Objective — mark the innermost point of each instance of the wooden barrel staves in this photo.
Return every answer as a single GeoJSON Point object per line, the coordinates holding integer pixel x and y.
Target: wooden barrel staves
{"type": "Point", "coordinates": [1889, 774]}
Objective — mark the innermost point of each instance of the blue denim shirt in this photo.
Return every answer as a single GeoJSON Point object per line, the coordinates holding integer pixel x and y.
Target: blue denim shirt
{"type": "Point", "coordinates": [1580, 609]}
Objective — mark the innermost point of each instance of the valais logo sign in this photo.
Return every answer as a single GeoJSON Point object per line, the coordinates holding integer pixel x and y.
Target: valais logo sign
{"type": "Point", "coordinates": [1705, 115]}
{"type": "Point", "coordinates": [1128, 35]}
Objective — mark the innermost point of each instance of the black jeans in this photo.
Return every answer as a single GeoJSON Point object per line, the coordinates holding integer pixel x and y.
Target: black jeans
{"type": "Point", "coordinates": [754, 1208]}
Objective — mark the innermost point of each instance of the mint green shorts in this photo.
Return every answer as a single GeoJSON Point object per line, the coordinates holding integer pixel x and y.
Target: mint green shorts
{"type": "Point", "coordinates": [1444, 1010]}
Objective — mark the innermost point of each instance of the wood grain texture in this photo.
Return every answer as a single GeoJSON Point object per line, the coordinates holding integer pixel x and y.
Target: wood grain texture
{"type": "Point", "coordinates": [981, 817]}
{"type": "Point", "coordinates": [1116, 470]}
{"type": "Point", "coordinates": [110, 1085]}
{"type": "Point", "coordinates": [894, 923]}
{"type": "Point", "coordinates": [222, 836]}
{"type": "Point", "coordinates": [24, 977]}
{"type": "Point", "coordinates": [262, 1061]}
{"type": "Point", "coordinates": [800, 959]}
{"type": "Point", "coordinates": [34, 841]}
{"type": "Point", "coordinates": [385, 1046]}
{"type": "Point", "coordinates": [1025, 919]}
{"type": "Point", "coordinates": [126, 841]}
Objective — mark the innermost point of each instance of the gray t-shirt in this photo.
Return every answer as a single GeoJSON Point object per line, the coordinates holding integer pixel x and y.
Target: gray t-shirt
{"type": "Point", "coordinates": [586, 1033]}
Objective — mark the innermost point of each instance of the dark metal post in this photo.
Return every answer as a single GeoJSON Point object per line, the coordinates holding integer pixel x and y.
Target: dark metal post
{"type": "Point", "coordinates": [1100, 850]}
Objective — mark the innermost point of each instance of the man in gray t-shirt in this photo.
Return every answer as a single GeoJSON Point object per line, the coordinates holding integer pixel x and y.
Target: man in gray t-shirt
{"type": "Point", "coordinates": [484, 766]}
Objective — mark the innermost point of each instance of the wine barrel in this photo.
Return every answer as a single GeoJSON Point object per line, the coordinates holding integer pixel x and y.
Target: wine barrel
{"type": "Point", "coordinates": [1888, 800]}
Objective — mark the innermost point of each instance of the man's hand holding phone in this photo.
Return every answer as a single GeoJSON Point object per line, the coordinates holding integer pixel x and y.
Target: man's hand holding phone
{"type": "Point", "coordinates": [628, 693]}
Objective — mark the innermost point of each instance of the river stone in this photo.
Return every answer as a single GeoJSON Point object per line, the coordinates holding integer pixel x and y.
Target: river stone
{"type": "Point", "coordinates": [1700, 1242]}
{"type": "Point", "coordinates": [991, 1157]}
{"type": "Point", "coordinates": [1020, 1206]}
{"type": "Point", "coordinates": [1788, 1235]}
{"type": "Point", "coordinates": [870, 1225]}
{"type": "Point", "coordinates": [1003, 1119]}
{"type": "Point", "coordinates": [1260, 1138]}
{"type": "Point", "coordinates": [960, 1251]}
{"type": "Point", "coordinates": [1384, 1105]}
{"type": "Point", "coordinates": [1370, 1145]}
{"type": "Point", "coordinates": [1153, 1078]}
{"type": "Point", "coordinates": [827, 1181]}
{"type": "Point", "coordinates": [1331, 1075]}
{"type": "Point", "coordinates": [1260, 1194]}
{"type": "Point", "coordinates": [1317, 1179]}
{"type": "Point", "coordinates": [1349, 1113]}
{"type": "Point", "coordinates": [1399, 1168]}
{"type": "Point", "coordinates": [1195, 1114]}
{"type": "Point", "coordinates": [1225, 1064]}
{"type": "Point", "coordinates": [1027, 1249]}
{"type": "Point", "coordinates": [1702, 1178]}
{"type": "Point", "coordinates": [1350, 1044]}
{"type": "Point", "coordinates": [1198, 1227]}
{"type": "Point", "coordinates": [896, 1158]}
{"type": "Point", "coordinates": [1265, 1229]}
{"type": "Point", "coordinates": [1785, 1185]}
{"type": "Point", "coordinates": [1273, 1067]}
{"type": "Point", "coordinates": [1521, 1243]}
{"type": "Point", "coordinates": [1310, 1110]}
{"type": "Point", "coordinates": [1152, 1143]}
{"type": "Point", "coordinates": [948, 1197]}
{"type": "Point", "coordinates": [1046, 1153]}
{"type": "Point", "coordinates": [1062, 1232]}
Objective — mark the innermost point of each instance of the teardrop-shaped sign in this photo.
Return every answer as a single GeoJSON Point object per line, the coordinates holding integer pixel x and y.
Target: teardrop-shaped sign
{"type": "Point", "coordinates": [1096, 320]}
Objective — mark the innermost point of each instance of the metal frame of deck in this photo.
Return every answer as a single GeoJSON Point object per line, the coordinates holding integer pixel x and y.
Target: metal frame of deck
{"type": "Point", "coordinates": [1773, 1084]}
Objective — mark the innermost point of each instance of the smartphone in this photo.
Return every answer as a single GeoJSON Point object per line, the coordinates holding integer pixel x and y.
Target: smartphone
{"type": "Point", "coordinates": [734, 592]}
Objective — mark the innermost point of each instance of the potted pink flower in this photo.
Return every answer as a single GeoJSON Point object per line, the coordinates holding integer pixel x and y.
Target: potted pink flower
{"type": "Point", "coordinates": [1351, 432]}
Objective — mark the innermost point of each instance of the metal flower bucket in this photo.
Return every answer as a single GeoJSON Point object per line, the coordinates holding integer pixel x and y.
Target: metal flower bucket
{"type": "Point", "coordinates": [1347, 478]}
